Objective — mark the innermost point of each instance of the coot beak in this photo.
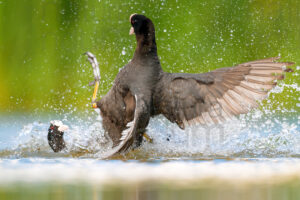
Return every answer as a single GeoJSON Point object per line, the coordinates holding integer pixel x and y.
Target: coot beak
{"type": "Point", "coordinates": [131, 32]}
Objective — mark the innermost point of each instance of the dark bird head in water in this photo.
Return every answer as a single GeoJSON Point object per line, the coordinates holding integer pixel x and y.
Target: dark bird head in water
{"type": "Point", "coordinates": [55, 135]}
{"type": "Point", "coordinates": [144, 31]}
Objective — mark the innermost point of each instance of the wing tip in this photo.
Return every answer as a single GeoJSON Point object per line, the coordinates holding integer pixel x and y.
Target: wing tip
{"type": "Point", "coordinates": [270, 59]}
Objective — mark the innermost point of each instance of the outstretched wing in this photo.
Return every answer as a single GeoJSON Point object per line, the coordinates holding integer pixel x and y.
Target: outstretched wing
{"type": "Point", "coordinates": [133, 128]}
{"type": "Point", "coordinates": [215, 96]}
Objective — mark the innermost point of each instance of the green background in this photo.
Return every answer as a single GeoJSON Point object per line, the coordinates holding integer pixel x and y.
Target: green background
{"type": "Point", "coordinates": [42, 68]}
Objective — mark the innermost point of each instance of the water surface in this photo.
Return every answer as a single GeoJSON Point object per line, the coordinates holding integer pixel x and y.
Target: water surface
{"type": "Point", "coordinates": [253, 156]}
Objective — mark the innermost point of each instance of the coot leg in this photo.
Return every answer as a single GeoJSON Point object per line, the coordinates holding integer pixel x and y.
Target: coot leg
{"type": "Point", "coordinates": [92, 59]}
{"type": "Point", "coordinates": [148, 138]}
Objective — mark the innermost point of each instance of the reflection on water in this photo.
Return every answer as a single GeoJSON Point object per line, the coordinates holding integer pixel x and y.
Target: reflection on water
{"type": "Point", "coordinates": [289, 190]}
{"type": "Point", "coordinates": [63, 178]}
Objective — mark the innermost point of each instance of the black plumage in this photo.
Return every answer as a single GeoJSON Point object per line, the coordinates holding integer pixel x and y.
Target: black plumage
{"type": "Point", "coordinates": [128, 106]}
{"type": "Point", "coordinates": [55, 135]}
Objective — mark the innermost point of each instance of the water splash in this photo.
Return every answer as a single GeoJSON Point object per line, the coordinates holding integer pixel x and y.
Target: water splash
{"type": "Point", "coordinates": [260, 133]}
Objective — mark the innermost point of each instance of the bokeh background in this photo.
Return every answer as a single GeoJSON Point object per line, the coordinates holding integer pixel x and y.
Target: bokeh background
{"type": "Point", "coordinates": [43, 69]}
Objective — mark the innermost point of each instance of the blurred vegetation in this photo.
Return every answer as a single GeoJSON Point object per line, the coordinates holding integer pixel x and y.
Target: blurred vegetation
{"type": "Point", "coordinates": [163, 190]}
{"type": "Point", "coordinates": [42, 41]}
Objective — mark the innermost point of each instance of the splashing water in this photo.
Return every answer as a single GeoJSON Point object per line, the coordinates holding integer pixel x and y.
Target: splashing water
{"type": "Point", "coordinates": [260, 133]}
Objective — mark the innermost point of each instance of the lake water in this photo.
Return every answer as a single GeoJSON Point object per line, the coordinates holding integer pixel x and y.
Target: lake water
{"type": "Point", "coordinates": [255, 156]}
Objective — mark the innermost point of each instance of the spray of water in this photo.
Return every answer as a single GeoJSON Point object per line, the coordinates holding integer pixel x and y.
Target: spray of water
{"type": "Point", "coordinates": [264, 132]}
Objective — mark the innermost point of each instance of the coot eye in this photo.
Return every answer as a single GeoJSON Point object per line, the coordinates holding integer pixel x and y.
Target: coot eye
{"type": "Point", "coordinates": [133, 21]}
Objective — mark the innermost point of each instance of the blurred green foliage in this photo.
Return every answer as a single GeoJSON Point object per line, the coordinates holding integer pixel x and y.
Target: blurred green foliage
{"type": "Point", "coordinates": [42, 41]}
{"type": "Point", "coordinates": [163, 190]}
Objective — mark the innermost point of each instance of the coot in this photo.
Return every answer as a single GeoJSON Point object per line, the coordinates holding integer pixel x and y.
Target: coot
{"type": "Point", "coordinates": [142, 90]}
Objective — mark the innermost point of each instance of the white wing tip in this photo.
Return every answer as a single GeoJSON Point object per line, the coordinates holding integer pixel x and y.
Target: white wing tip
{"type": "Point", "coordinates": [127, 131]}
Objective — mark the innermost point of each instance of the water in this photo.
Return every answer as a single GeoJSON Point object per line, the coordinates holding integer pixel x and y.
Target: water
{"type": "Point", "coordinates": [253, 156]}
{"type": "Point", "coordinates": [253, 135]}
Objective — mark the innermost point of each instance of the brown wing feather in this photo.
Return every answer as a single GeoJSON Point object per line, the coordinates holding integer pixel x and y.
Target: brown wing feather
{"type": "Point", "coordinates": [213, 97]}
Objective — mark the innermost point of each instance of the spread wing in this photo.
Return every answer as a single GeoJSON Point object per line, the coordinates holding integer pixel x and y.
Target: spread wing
{"type": "Point", "coordinates": [133, 128]}
{"type": "Point", "coordinates": [218, 95]}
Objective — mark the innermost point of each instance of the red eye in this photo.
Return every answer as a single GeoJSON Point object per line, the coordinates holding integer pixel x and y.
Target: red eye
{"type": "Point", "coordinates": [51, 127]}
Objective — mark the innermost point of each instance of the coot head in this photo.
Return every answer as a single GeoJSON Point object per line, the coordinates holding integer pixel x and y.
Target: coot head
{"type": "Point", "coordinates": [55, 135]}
{"type": "Point", "coordinates": [144, 31]}
{"type": "Point", "coordinates": [141, 25]}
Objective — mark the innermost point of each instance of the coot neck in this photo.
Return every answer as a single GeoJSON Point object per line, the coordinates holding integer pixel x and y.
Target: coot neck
{"type": "Point", "coordinates": [146, 46]}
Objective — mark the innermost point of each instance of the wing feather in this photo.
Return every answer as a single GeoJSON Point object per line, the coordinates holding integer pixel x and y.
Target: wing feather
{"type": "Point", "coordinates": [215, 96]}
{"type": "Point", "coordinates": [128, 135]}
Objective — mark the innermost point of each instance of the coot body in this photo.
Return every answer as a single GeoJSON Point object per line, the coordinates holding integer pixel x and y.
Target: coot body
{"type": "Point", "coordinates": [142, 90]}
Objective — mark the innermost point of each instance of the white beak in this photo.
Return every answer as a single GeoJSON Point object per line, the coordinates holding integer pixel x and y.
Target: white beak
{"type": "Point", "coordinates": [131, 32]}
